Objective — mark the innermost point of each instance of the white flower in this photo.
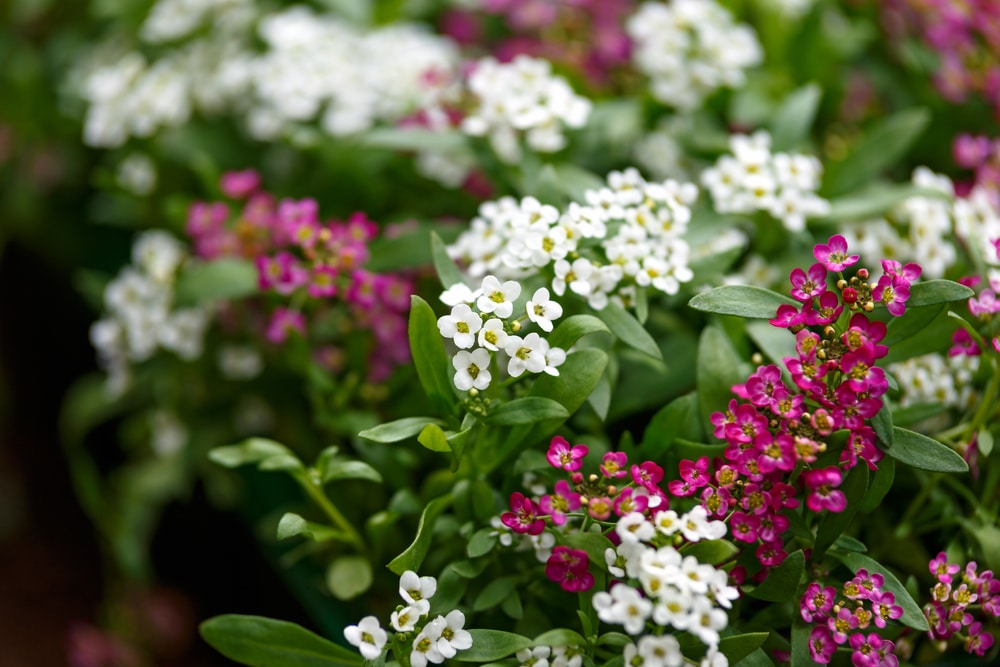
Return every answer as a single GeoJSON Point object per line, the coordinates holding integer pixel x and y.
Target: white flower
{"type": "Point", "coordinates": [566, 656]}
{"type": "Point", "coordinates": [707, 621]}
{"type": "Point", "coordinates": [714, 658]}
{"type": "Point", "coordinates": [554, 357]}
{"type": "Point", "coordinates": [498, 297]}
{"type": "Point", "coordinates": [667, 522]}
{"type": "Point", "coordinates": [453, 637]}
{"type": "Point", "coordinates": [695, 524]}
{"type": "Point", "coordinates": [472, 369]}
{"type": "Point", "coordinates": [662, 651]}
{"type": "Point", "coordinates": [458, 293]}
{"type": "Point", "coordinates": [406, 619]}
{"type": "Point", "coordinates": [425, 645]}
{"type": "Point", "coordinates": [525, 354]}
{"type": "Point", "coordinates": [492, 336]}
{"type": "Point", "coordinates": [623, 606]}
{"type": "Point", "coordinates": [368, 636]}
{"type": "Point", "coordinates": [673, 608]}
{"type": "Point", "coordinates": [239, 362]}
{"type": "Point", "coordinates": [633, 527]}
{"type": "Point", "coordinates": [461, 325]}
{"type": "Point", "coordinates": [537, 656]}
{"type": "Point", "coordinates": [414, 588]}
{"type": "Point", "coordinates": [542, 310]}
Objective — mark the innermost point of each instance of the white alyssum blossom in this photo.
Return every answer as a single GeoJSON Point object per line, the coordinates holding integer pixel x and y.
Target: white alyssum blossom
{"type": "Point", "coordinates": [461, 325]}
{"type": "Point", "coordinates": [623, 606]}
{"type": "Point", "coordinates": [537, 656]}
{"type": "Point", "coordinates": [415, 589]}
{"type": "Point", "coordinates": [137, 174]}
{"type": "Point", "coordinates": [566, 656]}
{"type": "Point", "coordinates": [498, 297]}
{"type": "Point", "coordinates": [239, 362]}
{"type": "Point", "coordinates": [542, 310]}
{"type": "Point", "coordinates": [454, 637]}
{"type": "Point", "coordinates": [425, 646]}
{"type": "Point", "coordinates": [689, 49]}
{"type": "Point", "coordinates": [406, 619]}
{"type": "Point", "coordinates": [634, 527]}
{"type": "Point", "coordinates": [522, 99]}
{"type": "Point", "coordinates": [492, 335]}
{"type": "Point", "coordinates": [472, 369]}
{"type": "Point", "coordinates": [368, 636]}
{"type": "Point", "coordinates": [935, 378]}
{"type": "Point", "coordinates": [662, 651]}
{"type": "Point", "coordinates": [753, 179]}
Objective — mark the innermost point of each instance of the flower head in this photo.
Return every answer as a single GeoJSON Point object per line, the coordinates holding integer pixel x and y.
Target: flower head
{"type": "Point", "coordinates": [368, 636]}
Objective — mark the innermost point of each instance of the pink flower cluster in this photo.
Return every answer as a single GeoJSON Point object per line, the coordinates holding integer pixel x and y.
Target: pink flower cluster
{"type": "Point", "coordinates": [966, 38]}
{"type": "Point", "coordinates": [780, 428]}
{"type": "Point", "coordinates": [312, 265]}
{"type": "Point", "coordinates": [844, 620]}
{"type": "Point", "coordinates": [618, 490]}
{"type": "Point", "coordinates": [585, 35]}
{"type": "Point", "coordinates": [983, 306]}
{"type": "Point", "coordinates": [955, 598]}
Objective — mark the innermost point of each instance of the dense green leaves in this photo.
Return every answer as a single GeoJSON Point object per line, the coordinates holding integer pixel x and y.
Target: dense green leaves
{"type": "Point", "coordinates": [265, 642]}
{"type": "Point", "coordinates": [574, 328]}
{"type": "Point", "coordinates": [918, 450]}
{"type": "Point", "coordinates": [678, 419]}
{"type": "Point", "coordinates": [738, 647]}
{"type": "Point", "coordinates": [880, 485]}
{"type": "Point", "coordinates": [742, 301]}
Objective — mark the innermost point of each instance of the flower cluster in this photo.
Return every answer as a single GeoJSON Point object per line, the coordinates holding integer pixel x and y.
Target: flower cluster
{"type": "Point", "coordinates": [311, 265]}
{"type": "Point", "coordinates": [550, 656]}
{"type": "Point", "coordinates": [755, 179]}
{"type": "Point", "coordinates": [490, 328]}
{"type": "Point", "coordinates": [433, 641]}
{"type": "Point", "coordinates": [841, 617]}
{"type": "Point", "coordinates": [625, 237]}
{"type": "Point", "coordinates": [955, 597]}
{"type": "Point", "coordinates": [141, 316]}
{"type": "Point", "coordinates": [689, 49]}
{"type": "Point", "coordinates": [378, 76]}
{"type": "Point", "coordinates": [982, 155]}
{"type": "Point", "coordinates": [522, 97]}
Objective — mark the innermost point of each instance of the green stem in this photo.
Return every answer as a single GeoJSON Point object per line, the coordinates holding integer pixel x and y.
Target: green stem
{"type": "Point", "coordinates": [319, 497]}
{"type": "Point", "coordinates": [925, 492]}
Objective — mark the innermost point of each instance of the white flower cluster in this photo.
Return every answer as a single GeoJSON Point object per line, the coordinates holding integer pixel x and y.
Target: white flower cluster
{"type": "Point", "coordinates": [664, 586]}
{"type": "Point", "coordinates": [977, 225]}
{"type": "Point", "coordinates": [140, 315]}
{"type": "Point", "coordinates": [689, 49]}
{"type": "Point", "coordinates": [934, 378]}
{"type": "Point", "coordinates": [522, 97]}
{"type": "Point", "coordinates": [550, 656]}
{"type": "Point", "coordinates": [435, 641]}
{"type": "Point", "coordinates": [490, 329]}
{"type": "Point", "coordinates": [625, 236]}
{"type": "Point", "coordinates": [312, 65]}
{"type": "Point", "coordinates": [755, 179]}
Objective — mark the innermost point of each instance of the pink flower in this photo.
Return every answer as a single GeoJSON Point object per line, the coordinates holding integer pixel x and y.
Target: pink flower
{"type": "Point", "coordinates": [523, 517]}
{"type": "Point", "coordinates": [979, 641]}
{"type": "Point", "coordinates": [788, 317]}
{"type": "Point", "coordinates": [559, 503]}
{"type": "Point", "coordinates": [842, 624]}
{"type": "Point", "coordinates": [893, 293]}
{"type": "Point", "coordinates": [827, 310]}
{"type": "Point", "coordinates": [743, 527]}
{"type": "Point", "coordinates": [570, 568]}
{"type": "Point", "coordinates": [907, 273]}
{"type": "Point", "coordinates": [283, 323]}
{"type": "Point", "coordinates": [987, 304]}
{"type": "Point", "coordinates": [807, 286]}
{"type": "Point", "coordinates": [648, 474]}
{"type": "Point", "coordinates": [627, 501]}
{"type": "Point", "coordinates": [613, 464]}
{"type": "Point", "coordinates": [817, 602]}
{"type": "Point", "coordinates": [942, 569]}
{"type": "Point", "coordinates": [561, 455]}
{"type": "Point", "coordinates": [833, 254]}
{"type": "Point", "coordinates": [866, 649]}
{"type": "Point", "coordinates": [323, 283]}
{"type": "Point", "coordinates": [362, 290]}
{"type": "Point", "coordinates": [885, 608]}
{"type": "Point", "coordinates": [240, 184]}
{"type": "Point", "coordinates": [760, 386]}
{"type": "Point", "coordinates": [283, 273]}
{"type": "Point", "coordinates": [825, 496]}
{"type": "Point", "coordinates": [771, 554]}
{"type": "Point", "coordinates": [693, 477]}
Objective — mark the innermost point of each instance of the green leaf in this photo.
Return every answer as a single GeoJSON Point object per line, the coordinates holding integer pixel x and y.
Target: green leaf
{"type": "Point", "coordinates": [712, 552]}
{"type": "Point", "coordinates": [782, 581]}
{"type": "Point", "coordinates": [912, 614]}
{"type": "Point", "coordinates": [512, 606]}
{"type": "Point", "coordinates": [495, 592]}
{"type": "Point", "coordinates": [984, 441]}
{"type": "Point", "coordinates": [848, 543]}
{"type": "Point", "coordinates": [412, 139]}
{"type": "Point", "coordinates": [930, 292]}
{"type": "Point", "coordinates": [287, 462]}
{"type": "Point", "coordinates": [792, 120]}
{"type": "Point", "coordinates": [600, 397]}
{"type": "Point", "coordinates": [574, 328]}
{"type": "Point", "coordinates": [574, 180]}
{"type": "Point", "coordinates": [678, 419]}
{"type": "Point", "coordinates": [349, 576]}
{"type": "Point", "coordinates": [800, 642]}
{"type": "Point", "coordinates": [414, 554]}
{"type": "Point", "coordinates": [594, 544]}
{"type": "Point", "coordinates": [481, 542]}
{"type": "Point", "coordinates": [879, 149]}
{"type": "Point", "coordinates": [258, 641]}
{"type": "Point", "coordinates": [527, 410]}
{"type": "Point", "coordinates": [434, 439]}
{"type": "Point", "coordinates": [292, 524]}
{"type": "Point", "coordinates": [252, 450]}
{"type": "Point", "coordinates": [447, 272]}
{"type": "Point", "coordinates": [919, 451]}
{"type": "Point", "coordinates": [875, 201]}
{"type": "Point", "coordinates": [834, 523]}
{"type": "Point", "coordinates": [718, 370]}
{"type": "Point", "coordinates": [628, 330]}
{"type": "Point", "coordinates": [560, 637]}
{"type": "Point", "coordinates": [427, 348]}
{"type": "Point", "coordinates": [491, 645]}
{"type": "Point", "coordinates": [738, 647]}
{"type": "Point", "coordinates": [351, 470]}
{"type": "Point", "coordinates": [578, 376]}
{"type": "Point", "coordinates": [742, 301]}
{"type": "Point", "coordinates": [912, 323]}
{"type": "Point", "coordinates": [880, 485]}
{"type": "Point", "coordinates": [882, 423]}
{"type": "Point", "coordinates": [207, 282]}
{"type": "Point", "coordinates": [401, 429]}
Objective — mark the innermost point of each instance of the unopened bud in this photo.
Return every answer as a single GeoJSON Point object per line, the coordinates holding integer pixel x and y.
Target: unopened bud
{"type": "Point", "coordinates": [515, 326]}
{"type": "Point", "coordinates": [841, 284]}
{"type": "Point", "coordinates": [577, 478]}
{"type": "Point", "coordinates": [612, 490]}
{"type": "Point", "coordinates": [863, 274]}
{"type": "Point", "coordinates": [473, 392]}
{"type": "Point", "coordinates": [757, 358]}
{"type": "Point", "coordinates": [592, 477]}
{"type": "Point", "coordinates": [850, 295]}
{"type": "Point", "coordinates": [869, 307]}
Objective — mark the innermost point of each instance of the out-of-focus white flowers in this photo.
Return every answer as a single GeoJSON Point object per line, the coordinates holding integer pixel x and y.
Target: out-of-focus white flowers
{"type": "Point", "coordinates": [689, 49]}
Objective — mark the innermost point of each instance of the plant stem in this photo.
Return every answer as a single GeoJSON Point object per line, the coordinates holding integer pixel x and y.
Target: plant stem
{"type": "Point", "coordinates": [319, 497]}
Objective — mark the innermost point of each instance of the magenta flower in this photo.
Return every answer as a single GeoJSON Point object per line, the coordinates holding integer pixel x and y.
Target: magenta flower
{"type": "Point", "coordinates": [559, 503]}
{"type": "Point", "coordinates": [985, 305]}
{"type": "Point", "coordinates": [523, 517]}
{"type": "Point", "coordinates": [240, 184]}
{"type": "Point", "coordinates": [833, 254]}
{"type": "Point", "coordinates": [760, 386]}
{"type": "Point", "coordinates": [694, 475]}
{"type": "Point", "coordinates": [942, 569]}
{"type": "Point", "coordinates": [323, 283]}
{"type": "Point", "coordinates": [962, 343]}
{"type": "Point", "coordinates": [817, 602]}
{"type": "Point", "coordinates": [862, 332]}
{"type": "Point", "coordinates": [613, 464]}
{"type": "Point", "coordinates": [893, 293]}
{"type": "Point", "coordinates": [828, 308]}
{"type": "Point", "coordinates": [979, 641]}
{"type": "Point", "coordinates": [866, 649]}
{"type": "Point", "coordinates": [561, 455]}
{"type": "Point", "coordinates": [776, 452]}
{"type": "Point", "coordinates": [771, 554]}
{"type": "Point", "coordinates": [283, 323]}
{"type": "Point", "coordinates": [570, 569]}
{"type": "Point", "coordinates": [807, 286]}
{"type": "Point", "coordinates": [772, 526]}
{"type": "Point", "coordinates": [282, 273]}
{"type": "Point", "coordinates": [743, 527]}
{"type": "Point", "coordinates": [627, 501]}
{"type": "Point", "coordinates": [885, 609]}
{"type": "Point", "coordinates": [648, 474]}
{"type": "Point", "coordinates": [842, 624]}
{"type": "Point", "coordinates": [362, 291]}
{"type": "Point", "coordinates": [862, 374]}
{"type": "Point", "coordinates": [788, 317]}
{"type": "Point", "coordinates": [907, 273]}
{"type": "Point", "coordinates": [821, 645]}
{"type": "Point", "coordinates": [824, 496]}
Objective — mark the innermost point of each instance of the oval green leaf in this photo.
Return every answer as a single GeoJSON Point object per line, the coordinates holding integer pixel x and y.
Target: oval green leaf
{"type": "Point", "coordinates": [255, 640]}
{"type": "Point", "coordinates": [742, 301]}
{"type": "Point", "coordinates": [491, 645]}
{"type": "Point", "coordinates": [527, 410]}
{"type": "Point", "coordinates": [398, 430]}
{"type": "Point", "coordinates": [930, 292]}
{"type": "Point", "coordinates": [919, 451]}
{"type": "Point", "coordinates": [628, 330]}
{"type": "Point", "coordinates": [349, 576]}
{"type": "Point", "coordinates": [414, 554]}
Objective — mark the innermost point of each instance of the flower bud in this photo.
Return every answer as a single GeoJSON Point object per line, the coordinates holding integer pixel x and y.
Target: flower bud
{"type": "Point", "coordinates": [863, 274]}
